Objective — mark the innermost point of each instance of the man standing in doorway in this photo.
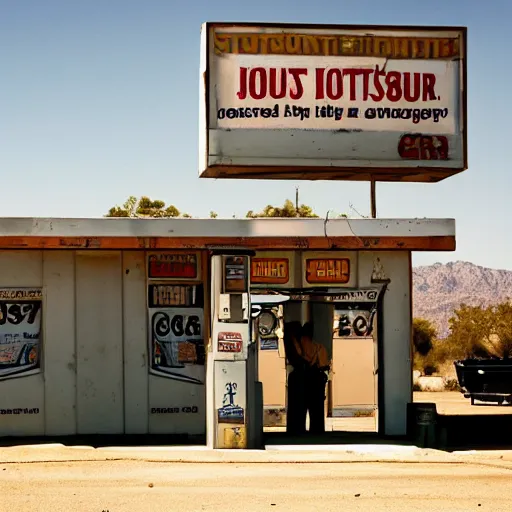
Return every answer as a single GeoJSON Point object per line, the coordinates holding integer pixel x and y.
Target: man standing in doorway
{"type": "Point", "coordinates": [296, 400]}
{"type": "Point", "coordinates": [317, 365]}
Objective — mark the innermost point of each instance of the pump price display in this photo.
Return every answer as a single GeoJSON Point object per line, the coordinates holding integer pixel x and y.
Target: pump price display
{"type": "Point", "coordinates": [329, 270]}
{"type": "Point", "coordinates": [269, 270]}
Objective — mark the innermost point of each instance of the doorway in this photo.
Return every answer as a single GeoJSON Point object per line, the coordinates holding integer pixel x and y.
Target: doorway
{"type": "Point", "coordinates": [346, 325]}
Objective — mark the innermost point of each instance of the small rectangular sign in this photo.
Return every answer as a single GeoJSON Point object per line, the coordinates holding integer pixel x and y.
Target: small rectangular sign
{"type": "Point", "coordinates": [229, 342]}
{"type": "Point", "coordinates": [231, 415]}
{"type": "Point", "coordinates": [173, 265]}
{"type": "Point", "coordinates": [161, 295]}
{"type": "Point", "coordinates": [21, 294]}
{"type": "Point", "coordinates": [271, 343]}
{"type": "Point", "coordinates": [328, 270]}
{"type": "Point", "coordinates": [269, 270]}
{"type": "Point", "coordinates": [235, 273]}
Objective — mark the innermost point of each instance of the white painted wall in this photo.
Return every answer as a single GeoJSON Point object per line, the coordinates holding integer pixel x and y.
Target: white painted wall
{"type": "Point", "coordinates": [59, 348]}
{"type": "Point", "coordinates": [396, 332]}
{"type": "Point", "coordinates": [94, 375]}
{"type": "Point", "coordinates": [136, 407]}
{"type": "Point", "coordinates": [99, 341]}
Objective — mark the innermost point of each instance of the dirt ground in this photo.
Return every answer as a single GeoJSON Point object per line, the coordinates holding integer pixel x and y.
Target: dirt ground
{"type": "Point", "coordinates": [139, 486]}
{"type": "Point", "coordinates": [453, 403]}
{"type": "Point", "coordinates": [32, 483]}
{"type": "Point", "coordinates": [450, 403]}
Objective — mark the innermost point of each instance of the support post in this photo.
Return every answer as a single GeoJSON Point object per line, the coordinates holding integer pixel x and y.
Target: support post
{"type": "Point", "coordinates": [373, 200]}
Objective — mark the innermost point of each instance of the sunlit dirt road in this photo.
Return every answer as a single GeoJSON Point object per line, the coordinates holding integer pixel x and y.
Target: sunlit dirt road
{"type": "Point", "coordinates": [140, 486]}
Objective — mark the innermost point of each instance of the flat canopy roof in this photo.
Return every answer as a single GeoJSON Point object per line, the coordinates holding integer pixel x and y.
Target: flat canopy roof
{"type": "Point", "coordinates": [256, 234]}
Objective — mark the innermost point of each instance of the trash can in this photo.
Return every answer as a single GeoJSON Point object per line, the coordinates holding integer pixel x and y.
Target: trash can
{"type": "Point", "coordinates": [422, 424]}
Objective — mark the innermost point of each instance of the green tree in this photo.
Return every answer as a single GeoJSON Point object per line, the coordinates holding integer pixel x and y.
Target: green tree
{"type": "Point", "coordinates": [423, 335]}
{"type": "Point", "coordinates": [470, 328]}
{"type": "Point", "coordinates": [424, 345]}
{"type": "Point", "coordinates": [502, 344]}
{"type": "Point", "coordinates": [145, 208]}
{"type": "Point", "coordinates": [287, 210]}
{"type": "Point", "coordinates": [476, 331]}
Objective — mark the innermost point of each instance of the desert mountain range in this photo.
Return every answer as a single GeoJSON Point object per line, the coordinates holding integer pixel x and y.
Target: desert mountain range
{"type": "Point", "coordinates": [439, 289]}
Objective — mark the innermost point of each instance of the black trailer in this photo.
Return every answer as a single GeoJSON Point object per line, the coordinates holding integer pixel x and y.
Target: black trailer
{"type": "Point", "coordinates": [486, 380]}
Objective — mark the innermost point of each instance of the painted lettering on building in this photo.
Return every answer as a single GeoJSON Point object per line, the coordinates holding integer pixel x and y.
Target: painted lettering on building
{"type": "Point", "coordinates": [176, 344]}
{"type": "Point", "coordinates": [175, 410]}
{"type": "Point", "coordinates": [175, 265]}
{"type": "Point", "coordinates": [329, 270]}
{"type": "Point", "coordinates": [336, 45]}
{"type": "Point", "coordinates": [269, 270]}
{"type": "Point", "coordinates": [358, 321]}
{"type": "Point", "coordinates": [18, 410]}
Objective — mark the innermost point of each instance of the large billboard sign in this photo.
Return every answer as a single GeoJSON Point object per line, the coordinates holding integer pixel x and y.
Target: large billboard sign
{"type": "Point", "coordinates": [332, 102]}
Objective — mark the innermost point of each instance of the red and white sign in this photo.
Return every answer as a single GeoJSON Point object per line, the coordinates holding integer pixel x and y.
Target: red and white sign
{"type": "Point", "coordinates": [230, 342]}
{"type": "Point", "coordinates": [331, 97]}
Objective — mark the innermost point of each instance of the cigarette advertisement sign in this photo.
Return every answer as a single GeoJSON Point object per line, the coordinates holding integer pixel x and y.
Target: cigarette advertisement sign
{"type": "Point", "coordinates": [320, 102]}
{"type": "Point", "coordinates": [20, 331]}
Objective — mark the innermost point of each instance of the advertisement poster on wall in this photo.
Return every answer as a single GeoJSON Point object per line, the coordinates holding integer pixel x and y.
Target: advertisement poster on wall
{"type": "Point", "coordinates": [20, 332]}
{"type": "Point", "coordinates": [177, 344]}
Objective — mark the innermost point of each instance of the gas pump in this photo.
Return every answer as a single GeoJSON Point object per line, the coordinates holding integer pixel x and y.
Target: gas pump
{"type": "Point", "coordinates": [232, 389]}
{"type": "Point", "coordinates": [270, 356]}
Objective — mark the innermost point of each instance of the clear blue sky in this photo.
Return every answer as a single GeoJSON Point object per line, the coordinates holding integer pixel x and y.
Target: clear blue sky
{"type": "Point", "coordinates": [99, 101]}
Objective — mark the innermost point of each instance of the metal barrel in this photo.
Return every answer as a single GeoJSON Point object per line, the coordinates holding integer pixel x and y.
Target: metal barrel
{"type": "Point", "coordinates": [422, 424]}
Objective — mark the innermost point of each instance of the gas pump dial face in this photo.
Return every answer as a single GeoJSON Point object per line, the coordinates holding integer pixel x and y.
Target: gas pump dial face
{"type": "Point", "coordinates": [266, 323]}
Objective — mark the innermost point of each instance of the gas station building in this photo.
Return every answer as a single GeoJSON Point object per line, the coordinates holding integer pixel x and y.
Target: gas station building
{"type": "Point", "coordinates": [134, 326]}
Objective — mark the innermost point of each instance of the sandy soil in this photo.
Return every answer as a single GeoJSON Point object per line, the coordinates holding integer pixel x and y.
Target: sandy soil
{"type": "Point", "coordinates": [138, 486]}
